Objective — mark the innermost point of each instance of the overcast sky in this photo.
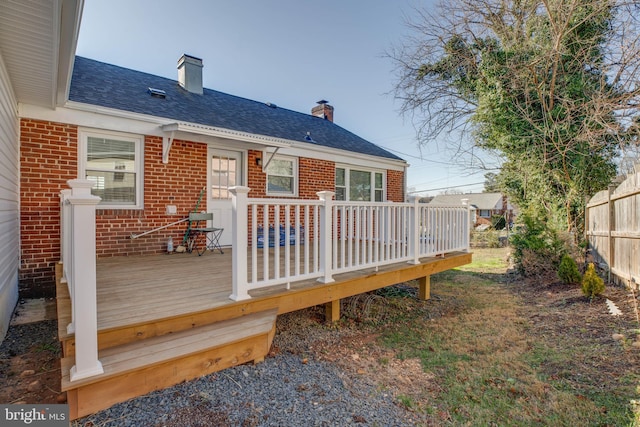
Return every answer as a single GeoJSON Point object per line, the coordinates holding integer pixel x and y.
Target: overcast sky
{"type": "Point", "coordinates": [288, 52]}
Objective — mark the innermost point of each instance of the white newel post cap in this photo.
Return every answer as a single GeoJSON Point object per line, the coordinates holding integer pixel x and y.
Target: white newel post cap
{"type": "Point", "coordinates": [239, 189]}
{"type": "Point", "coordinates": [325, 195]}
{"type": "Point", "coordinates": [81, 186]}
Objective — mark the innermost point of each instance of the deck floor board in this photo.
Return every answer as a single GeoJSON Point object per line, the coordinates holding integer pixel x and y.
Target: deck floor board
{"type": "Point", "coordinates": [137, 289]}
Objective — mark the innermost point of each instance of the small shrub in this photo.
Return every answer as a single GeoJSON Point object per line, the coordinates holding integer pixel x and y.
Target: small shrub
{"type": "Point", "coordinates": [537, 249]}
{"type": "Point", "coordinates": [485, 239]}
{"type": "Point", "coordinates": [493, 239]}
{"type": "Point", "coordinates": [592, 284]}
{"type": "Point", "coordinates": [568, 271]}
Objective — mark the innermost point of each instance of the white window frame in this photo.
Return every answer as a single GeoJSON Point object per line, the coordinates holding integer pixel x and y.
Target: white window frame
{"type": "Point", "coordinates": [138, 140]}
{"type": "Point", "coordinates": [372, 171]}
{"type": "Point", "coordinates": [294, 161]}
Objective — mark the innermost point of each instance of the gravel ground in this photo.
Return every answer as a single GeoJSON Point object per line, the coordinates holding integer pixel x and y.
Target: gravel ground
{"type": "Point", "coordinates": [281, 391]}
{"type": "Point", "coordinates": [21, 338]}
{"type": "Point", "coordinates": [292, 387]}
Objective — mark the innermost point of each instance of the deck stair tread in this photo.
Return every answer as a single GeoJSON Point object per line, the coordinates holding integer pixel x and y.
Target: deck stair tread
{"type": "Point", "coordinates": [152, 351]}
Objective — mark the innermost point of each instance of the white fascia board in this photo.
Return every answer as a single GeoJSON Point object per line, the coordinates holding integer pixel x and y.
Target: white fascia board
{"type": "Point", "coordinates": [118, 120]}
{"type": "Point", "coordinates": [301, 149]}
{"type": "Point", "coordinates": [69, 19]}
{"type": "Point", "coordinates": [194, 128]}
{"type": "Point", "coordinates": [110, 118]}
{"type": "Point", "coordinates": [95, 117]}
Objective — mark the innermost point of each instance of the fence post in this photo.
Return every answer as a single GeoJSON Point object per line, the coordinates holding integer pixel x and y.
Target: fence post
{"type": "Point", "coordinates": [83, 274]}
{"type": "Point", "coordinates": [326, 227]}
{"type": "Point", "coordinates": [414, 230]}
{"type": "Point", "coordinates": [611, 225]}
{"type": "Point", "coordinates": [239, 241]}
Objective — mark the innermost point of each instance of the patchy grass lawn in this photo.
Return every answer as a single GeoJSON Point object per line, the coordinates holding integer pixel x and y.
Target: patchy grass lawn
{"type": "Point", "coordinates": [491, 349]}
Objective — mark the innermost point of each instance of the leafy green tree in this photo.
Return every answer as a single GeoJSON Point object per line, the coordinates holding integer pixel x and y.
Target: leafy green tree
{"type": "Point", "coordinates": [552, 86]}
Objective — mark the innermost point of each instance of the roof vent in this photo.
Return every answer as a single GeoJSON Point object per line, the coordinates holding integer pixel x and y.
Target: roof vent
{"type": "Point", "coordinates": [308, 138]}
{"type": "Point", "coordinates": [157, 93]}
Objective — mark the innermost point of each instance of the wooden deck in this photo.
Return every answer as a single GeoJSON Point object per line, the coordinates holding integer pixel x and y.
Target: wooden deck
{"type": "Point", "coordinates": [143, 298]}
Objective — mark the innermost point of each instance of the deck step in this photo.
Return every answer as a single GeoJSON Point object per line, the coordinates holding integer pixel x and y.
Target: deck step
{"type": "Point", "coordinates": [139, 367]}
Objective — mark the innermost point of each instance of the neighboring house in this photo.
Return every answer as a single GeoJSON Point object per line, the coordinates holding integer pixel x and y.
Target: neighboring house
{"type": "Point", "coordinates": [37, 44]}
{"type": "Point", "coordinates": [151, 144]}
{"type": "Point", "coordinates": [484, 205]}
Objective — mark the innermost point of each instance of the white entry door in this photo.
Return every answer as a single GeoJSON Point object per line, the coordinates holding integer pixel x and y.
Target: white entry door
{"type": "Point", "coordinates": [226, 169]}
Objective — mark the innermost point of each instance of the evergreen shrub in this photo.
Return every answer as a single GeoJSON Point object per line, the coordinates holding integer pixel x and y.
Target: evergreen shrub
{"type": "Point", "coordinates": [592, 284]}
{"type": "Point", "coordinates": [537, 249]}
{"type": "Point", "coordinates": [568, 271]}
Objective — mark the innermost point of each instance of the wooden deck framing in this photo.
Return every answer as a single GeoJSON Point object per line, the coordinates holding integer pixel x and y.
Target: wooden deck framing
{"type": "Point", "coordinates": [154, 301]}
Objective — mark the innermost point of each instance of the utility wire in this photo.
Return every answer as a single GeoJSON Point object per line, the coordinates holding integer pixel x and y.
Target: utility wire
{"type": "Point", "coordinates": [444, 188]}
{"type": "Point", "coordinates": [418, 157]}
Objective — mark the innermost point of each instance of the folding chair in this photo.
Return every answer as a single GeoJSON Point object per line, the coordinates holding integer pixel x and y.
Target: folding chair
{"type": "Point", "coordinates": [201, 236]}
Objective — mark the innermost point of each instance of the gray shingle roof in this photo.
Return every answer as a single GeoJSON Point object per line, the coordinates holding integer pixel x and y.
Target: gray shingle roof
{"type": "Point", "coordinates": [106, 85]}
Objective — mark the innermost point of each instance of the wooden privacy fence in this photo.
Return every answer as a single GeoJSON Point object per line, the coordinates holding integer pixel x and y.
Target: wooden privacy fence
{"type": "Point", "coordinates": [612, 227]}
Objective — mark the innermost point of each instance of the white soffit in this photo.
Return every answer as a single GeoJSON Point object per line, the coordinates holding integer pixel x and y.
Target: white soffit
{"type": "Point", "coordinates": [37, 42]}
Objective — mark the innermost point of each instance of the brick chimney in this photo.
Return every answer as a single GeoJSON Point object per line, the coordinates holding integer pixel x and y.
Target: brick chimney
{"type": "Point", "coordinates": [190, 73]}
{"type": "Point", "coordinates": [323, 110]}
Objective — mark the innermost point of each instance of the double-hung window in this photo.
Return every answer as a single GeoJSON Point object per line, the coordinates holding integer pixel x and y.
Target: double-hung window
{"type": "Point", "coordinates": [359, 185]}
{"type": "Point", "coordinates": [113, 161]}
{"type": "Point", "coordinates": [282, 175]}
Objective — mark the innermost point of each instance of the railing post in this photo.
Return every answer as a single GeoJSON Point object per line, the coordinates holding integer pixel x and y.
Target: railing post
{"type": "Point", "coordinates": [83, 264]}
{"type": "Point", "coordinates": [65, 249]}
{"type": "Point", "coordinates": [64, 195]}
{"type": "Point", "coordinates": [239, 240]}
{"type": "Point", "coordinates": [467, 224]}
{"type": "Point", "coordinates": [414, 230]}
{"type": "Point", "coordinates": [325, 232]}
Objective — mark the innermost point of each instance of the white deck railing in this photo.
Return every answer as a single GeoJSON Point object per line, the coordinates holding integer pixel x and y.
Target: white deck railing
{"type": "Point", "coordinates": [275, 241]}
{"type": "Point", "coordinates": [293, 240]}
{"type": "Point", "coordinates": [78, 255]}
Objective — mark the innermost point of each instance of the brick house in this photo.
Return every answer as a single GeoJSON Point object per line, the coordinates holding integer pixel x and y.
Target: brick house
{"type": "Point", "coordinates": [139, 152]}
{"type": "Point", "coordinates": [151, 144]}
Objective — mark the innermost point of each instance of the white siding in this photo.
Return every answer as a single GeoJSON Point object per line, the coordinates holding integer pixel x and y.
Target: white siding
{"type": "Point", "coordinates": [9, 200]}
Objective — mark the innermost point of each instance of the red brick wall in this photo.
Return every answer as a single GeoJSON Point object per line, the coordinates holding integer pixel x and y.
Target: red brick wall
{"type": "Point", "coordinates": [177, 183]}
{"type": "Point", "coordinates": [48, 156]}
{"type": "Point", "coordinates": [395, 186]}
{"type": "Point", "coordinates": [313, 176]}
{"type": "Point", "coordinates": [48, 153]}
{"type": "Point", "coordinates": [256, 179]}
